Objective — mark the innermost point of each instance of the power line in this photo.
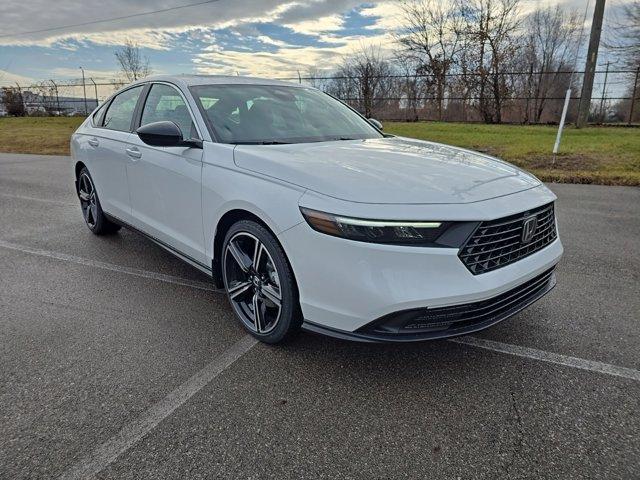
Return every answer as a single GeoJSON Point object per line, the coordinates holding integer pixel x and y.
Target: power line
{"type": "Point", "coordinates": [93, 22]}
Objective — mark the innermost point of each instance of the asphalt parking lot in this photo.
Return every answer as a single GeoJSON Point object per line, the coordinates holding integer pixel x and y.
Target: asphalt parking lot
{"type": "Point", "coordinates": [118, 361]}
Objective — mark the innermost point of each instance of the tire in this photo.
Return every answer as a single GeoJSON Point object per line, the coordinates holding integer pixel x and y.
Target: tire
{"type": "Point", "coordinates": [94, 217]}
{"type": "Point", "coordinates": [266, 286]}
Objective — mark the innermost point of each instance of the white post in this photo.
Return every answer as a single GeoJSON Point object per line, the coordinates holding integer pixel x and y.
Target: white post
{"type": "Point", "coordinates": [561, 126]}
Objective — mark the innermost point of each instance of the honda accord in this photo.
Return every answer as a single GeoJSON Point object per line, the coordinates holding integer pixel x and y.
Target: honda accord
{"type": "Point", "coordinates": [309, 216]}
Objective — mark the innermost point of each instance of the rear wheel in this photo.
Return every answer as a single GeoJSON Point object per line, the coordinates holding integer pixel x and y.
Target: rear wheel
{"type": "Point", "coordinates": [259, 282]}
{"type": "Point", "coordinates": [92, 212]}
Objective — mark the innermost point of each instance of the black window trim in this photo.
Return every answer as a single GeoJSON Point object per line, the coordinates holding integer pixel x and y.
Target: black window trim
{"type": "Point", "coordinates": [109, 101]}
{"type": "Point", "coordinates": [145, 95]}
{"type": "Point", "coordinates": [105, 106]}
{"type": "Point", "coordinates": [137, 113]}
{"type": "Point", "coordinates": [384, 135]}
{"type": "Point", "coordinates": [203, 114]}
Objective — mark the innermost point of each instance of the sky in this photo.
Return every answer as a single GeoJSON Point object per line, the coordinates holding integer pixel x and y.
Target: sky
{"type": "Point", "coordinates": [271, 38]}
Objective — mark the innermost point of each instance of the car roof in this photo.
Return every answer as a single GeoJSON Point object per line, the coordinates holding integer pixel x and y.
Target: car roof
{"type": "Point", "coordinates": [191, 80]}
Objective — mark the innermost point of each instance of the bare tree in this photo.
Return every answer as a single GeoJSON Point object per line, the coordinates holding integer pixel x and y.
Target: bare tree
{"type": "Point", "coordinates": [464, 84]}
{"type": "Point", "coordinates": [625, 45]}
{"type": "Point", "coordinates": [132, 63]}
{"type": "Point", "coordinates": [551, 45]}
{"type": "Point", "coordinates": [13, 101]}
{"type": "Point", "coordinates": [626, 36]}
{"type": "Point", "coordinates": [491, 28]}
{"type": "Point", "coordinates": [411, 85]}
{"type": "Point", "coordinates": [316, 78]}
{"type": "Point", "coordinates": [430, 38]}
{"type": "Point", "coordinates": [364, 80]}
{"type": "Point", "coordinates": [47, 97]}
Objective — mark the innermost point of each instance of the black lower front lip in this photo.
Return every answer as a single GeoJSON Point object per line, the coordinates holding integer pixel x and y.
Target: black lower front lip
{"type": "Point", "coordinates": [417, 325]}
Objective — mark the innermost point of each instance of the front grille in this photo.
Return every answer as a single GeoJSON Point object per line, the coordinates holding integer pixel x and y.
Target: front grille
{"type": "Point", "coordinates": [459, 319]}
{"type": "Point", "coordinates": [497, 243]}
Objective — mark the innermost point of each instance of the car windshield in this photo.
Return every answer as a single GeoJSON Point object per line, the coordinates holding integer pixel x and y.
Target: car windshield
{"type": "Point", "coordinates": [268, 114]}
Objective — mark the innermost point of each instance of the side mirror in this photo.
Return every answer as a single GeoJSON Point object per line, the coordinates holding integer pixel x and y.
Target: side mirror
{"type": "Point", "coordinates": [165, 134]}
{"type": "Point", "coordinates": [376, 123]}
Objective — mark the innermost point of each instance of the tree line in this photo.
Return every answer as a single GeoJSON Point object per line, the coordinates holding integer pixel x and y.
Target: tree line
{"type": "Point", "coordinates": [479, 60]}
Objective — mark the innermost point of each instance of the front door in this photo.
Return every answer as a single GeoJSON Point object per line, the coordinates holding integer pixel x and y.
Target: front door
{"type": "Point", "coordinates": [165, 182]}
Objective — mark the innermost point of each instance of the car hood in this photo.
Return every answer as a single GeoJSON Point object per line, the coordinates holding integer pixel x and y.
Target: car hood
{"type": "Point", "coordinates": [390, 170]}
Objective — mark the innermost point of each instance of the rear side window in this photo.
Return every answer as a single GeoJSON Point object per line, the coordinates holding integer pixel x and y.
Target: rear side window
{"type": "Point", "coordinates": [99, 115]}
{"type": "Point", "coordinates": [164, 103]}
{"type": "Point", "coordinates": [120, 111]}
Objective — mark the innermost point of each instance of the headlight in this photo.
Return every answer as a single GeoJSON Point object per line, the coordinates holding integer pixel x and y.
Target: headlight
{"type": "Point", "coordinates": [398, 232]}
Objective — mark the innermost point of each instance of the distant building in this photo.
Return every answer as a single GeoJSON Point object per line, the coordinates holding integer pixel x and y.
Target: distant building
{"type": "Point", "coordinates": [35, 103]}
{"type": "Point", "coordinates": [60, 105]}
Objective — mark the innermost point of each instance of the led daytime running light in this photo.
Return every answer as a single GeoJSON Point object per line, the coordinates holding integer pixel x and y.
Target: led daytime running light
{"type": "Point", "coordinates": [383, 223]}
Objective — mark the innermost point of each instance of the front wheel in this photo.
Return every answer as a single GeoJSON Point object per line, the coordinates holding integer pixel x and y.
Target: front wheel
{"type": "Point", "coordinates": [259, 282]}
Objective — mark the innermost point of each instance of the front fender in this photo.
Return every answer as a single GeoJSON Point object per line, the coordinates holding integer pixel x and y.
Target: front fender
{"type": "Point", "coordinates": [225, 189]}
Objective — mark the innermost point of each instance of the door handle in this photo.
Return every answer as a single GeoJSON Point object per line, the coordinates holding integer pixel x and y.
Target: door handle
{"type": "Point", "coordinates": [94, 142]}
{"type": "Point", "coordinates": [133, 152]}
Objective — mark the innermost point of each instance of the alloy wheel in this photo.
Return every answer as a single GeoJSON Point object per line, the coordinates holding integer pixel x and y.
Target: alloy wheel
{"type": "Point", "coordinates": [88, 201]}
{"type": "Point", "coordinates": [252, 282]}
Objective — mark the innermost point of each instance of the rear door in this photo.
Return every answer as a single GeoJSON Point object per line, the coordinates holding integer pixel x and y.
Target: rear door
{"type": "Point", "coordinates": [107, 144]}
{"type": "Point", "coordinates": [165, 182]}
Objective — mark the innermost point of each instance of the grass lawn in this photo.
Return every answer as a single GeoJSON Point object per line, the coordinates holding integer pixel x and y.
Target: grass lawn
{"type": "Point", "coordinates": [605, 155]}
{"type": "Point", "coordinates": [42, 135]}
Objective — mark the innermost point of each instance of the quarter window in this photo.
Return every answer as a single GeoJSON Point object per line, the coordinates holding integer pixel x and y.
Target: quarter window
{"type": "Point", "coordinates": [120, 112]}
{"type": "Point", "coordinates": [164, 103]}
{"type": "Point", "coordinates": [97, 117]}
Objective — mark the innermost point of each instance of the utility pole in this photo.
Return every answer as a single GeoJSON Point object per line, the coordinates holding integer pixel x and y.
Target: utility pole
{"type": "Point", "coordinates": [55, 89]}
{"type": "Point", "coordinates": [84, 91]}
{"type": "Point", "coordinates": [95, 87]}
{"type": "Point", "coordinates": [590, 66]}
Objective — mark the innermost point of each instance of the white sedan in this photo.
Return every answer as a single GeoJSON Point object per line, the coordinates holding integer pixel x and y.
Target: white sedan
{"type": "Point", "coordinates": [309, 216]}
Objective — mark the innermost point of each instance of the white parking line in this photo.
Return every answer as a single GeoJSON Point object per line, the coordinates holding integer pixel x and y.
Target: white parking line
{"type": "Point", "coordinates": [549, 357]}
{"type": "Point", "coordinates": [136, 272]}
{"type": "Point", "coordinates": [109, 451]}
{"type": "Point", "coordinates": [36, 199]}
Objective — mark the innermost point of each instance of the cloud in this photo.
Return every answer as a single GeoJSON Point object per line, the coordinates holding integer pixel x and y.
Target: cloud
{"type": "Point", "coordinates": [158, 30]}
{"type": "Point", "coordinates": [315, 9]}
{"type": "Point", "coordinates": [258, 37]}
{"type": "Point", "coordinates": [8, 78]}
{"type": "Point", "coordinates": [285, 62]}
{"type": "Point", "coordinates": [329, 23]}
{"type": "Point", "coordinates": [152, 31]}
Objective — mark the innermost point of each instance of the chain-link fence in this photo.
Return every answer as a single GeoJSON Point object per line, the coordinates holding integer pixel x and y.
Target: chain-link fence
{"type": "Point", "coordinates": [528, 97]}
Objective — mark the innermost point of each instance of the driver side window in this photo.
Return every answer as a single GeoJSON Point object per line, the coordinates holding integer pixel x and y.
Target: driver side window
{"type": "Point", "coordinates": [164, 103]}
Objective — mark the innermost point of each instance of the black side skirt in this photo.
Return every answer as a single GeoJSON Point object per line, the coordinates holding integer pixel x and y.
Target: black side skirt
{"type": "Point", "coordinates": [182, 256]}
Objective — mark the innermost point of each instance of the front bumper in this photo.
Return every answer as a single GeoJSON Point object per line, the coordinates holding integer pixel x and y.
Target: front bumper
{"type": "Point", "coordinates": [429, 324]}
{"type": "Point", "coordinates": [345, 285]}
